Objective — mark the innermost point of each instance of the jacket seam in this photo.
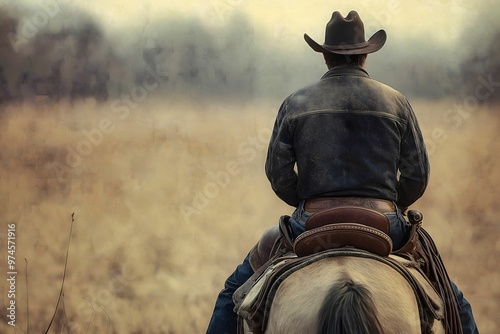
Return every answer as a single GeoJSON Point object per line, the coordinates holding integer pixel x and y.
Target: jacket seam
{"type": "Point", "coordinates": [350, 112]}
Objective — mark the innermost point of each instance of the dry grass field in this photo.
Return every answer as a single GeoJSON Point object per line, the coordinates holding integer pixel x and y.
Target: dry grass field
{"type": "Point", "coordinates": [168, 196]}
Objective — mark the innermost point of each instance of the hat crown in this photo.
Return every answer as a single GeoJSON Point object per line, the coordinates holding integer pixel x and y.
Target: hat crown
{"type": "Point", "coordinates": [345, 31]}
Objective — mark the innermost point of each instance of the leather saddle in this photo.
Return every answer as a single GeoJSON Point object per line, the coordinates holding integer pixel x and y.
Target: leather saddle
{"type": "Point", "coordinates": [345, 226]}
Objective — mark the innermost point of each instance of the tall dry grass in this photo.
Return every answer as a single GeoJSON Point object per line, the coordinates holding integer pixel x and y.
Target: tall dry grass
{"type": "Point", "coordinates": [171, 198]}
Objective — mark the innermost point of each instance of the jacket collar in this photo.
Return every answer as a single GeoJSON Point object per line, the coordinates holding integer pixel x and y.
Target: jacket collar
{"type": "Point", "coordinates": [345, 70]}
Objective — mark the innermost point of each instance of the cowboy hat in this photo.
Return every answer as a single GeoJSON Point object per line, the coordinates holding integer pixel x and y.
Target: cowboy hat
{"type": "Point", "coordinates": [347, 36]}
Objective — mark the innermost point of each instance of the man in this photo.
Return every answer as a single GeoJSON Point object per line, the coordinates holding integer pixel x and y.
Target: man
{"type": "Point", "coordinates": [346, 138]}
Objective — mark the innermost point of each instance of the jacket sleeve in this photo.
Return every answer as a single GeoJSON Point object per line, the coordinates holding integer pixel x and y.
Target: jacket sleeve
{"type": "Point", "coordinates": [413, 165]}
{"type": "Point", "coordinates": [281, 160]}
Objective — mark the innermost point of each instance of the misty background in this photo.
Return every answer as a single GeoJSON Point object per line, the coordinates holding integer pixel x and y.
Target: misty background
{"type": "Point", "coordinates": [157, 229]}
{"type": "Point", "coordinates": [60, 50]}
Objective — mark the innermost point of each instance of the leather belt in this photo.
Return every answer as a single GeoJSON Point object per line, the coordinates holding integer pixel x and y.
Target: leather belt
{"type": "Point", "coordinates": [322, 203]}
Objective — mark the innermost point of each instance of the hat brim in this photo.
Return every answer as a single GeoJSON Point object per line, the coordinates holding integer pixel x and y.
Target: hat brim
{"type": "Point", "coordinates": [375, 43]}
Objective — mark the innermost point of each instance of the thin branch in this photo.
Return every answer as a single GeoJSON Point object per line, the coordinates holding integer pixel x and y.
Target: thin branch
{"type": "Point", "coordinates": [61, 293]}
{"type": "Point", "coordinates": [107, 315]}
{"type": "Point", "coordinates": [91, 316]}
{"type": "Point", "coordinates": [66, 322]}
{"type": "Point", "coordinates": [27, 300]}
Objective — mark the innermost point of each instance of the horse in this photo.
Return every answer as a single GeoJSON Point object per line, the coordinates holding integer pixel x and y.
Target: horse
{"type": "Point", "coordinates": [340, 295]}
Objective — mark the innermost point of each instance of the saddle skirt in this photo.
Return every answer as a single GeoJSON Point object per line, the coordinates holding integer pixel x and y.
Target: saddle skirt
{"type": "Point", "coordinates": [253, 300]}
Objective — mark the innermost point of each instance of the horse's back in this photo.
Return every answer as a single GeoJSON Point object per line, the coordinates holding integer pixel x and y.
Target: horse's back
{"type": "Point", "coordinates": [299, 299]}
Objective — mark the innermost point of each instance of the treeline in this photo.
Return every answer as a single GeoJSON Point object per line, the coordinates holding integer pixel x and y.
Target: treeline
{"type": "Point", "coordinates": [62, 52]}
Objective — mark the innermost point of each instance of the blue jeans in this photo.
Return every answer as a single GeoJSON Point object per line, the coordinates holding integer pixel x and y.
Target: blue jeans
{"type": "Point", "coordinates": [224, 319]}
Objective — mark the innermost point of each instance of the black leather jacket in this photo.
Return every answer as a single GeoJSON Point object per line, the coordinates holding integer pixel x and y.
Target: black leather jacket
{"type": "Point", "coordinates": [347, 135]}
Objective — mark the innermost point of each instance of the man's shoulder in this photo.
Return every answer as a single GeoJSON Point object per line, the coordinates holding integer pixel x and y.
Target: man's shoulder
{"type": "Point", "coordinates": [308, 91]}
{"type": "Point", "coordinates": [322, 86]}
{"type": "Point", "coordinates": [385, 87]}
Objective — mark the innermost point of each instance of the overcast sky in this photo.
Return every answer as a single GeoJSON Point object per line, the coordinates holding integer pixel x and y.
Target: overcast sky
{"type": "Point", "coordinates": [425, 37]}
{"type": "Point", "coordinates": [441, 19]}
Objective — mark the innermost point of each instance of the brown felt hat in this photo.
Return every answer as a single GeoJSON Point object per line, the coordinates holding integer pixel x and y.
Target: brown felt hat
{"type": "Point", "coordinates": [347, 36]}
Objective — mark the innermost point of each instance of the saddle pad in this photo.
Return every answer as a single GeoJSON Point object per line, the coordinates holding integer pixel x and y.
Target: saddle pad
{"type": "Point", "coordinates": [424, 282]}
{"type": "Point", "coordinates": [246, 301]}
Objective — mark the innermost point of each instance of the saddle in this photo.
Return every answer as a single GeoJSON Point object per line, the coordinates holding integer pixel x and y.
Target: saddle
{"type": "Point", "coordinates": [345, 226]}
{"type": "Point", "coordinates": [349, 229]}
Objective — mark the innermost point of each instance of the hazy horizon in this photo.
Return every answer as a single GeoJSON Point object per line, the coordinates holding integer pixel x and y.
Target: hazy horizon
{"type": "Point", "coordinates": [236, 48]}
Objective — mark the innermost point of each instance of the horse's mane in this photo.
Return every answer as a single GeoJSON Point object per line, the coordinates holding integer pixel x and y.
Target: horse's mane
{"type": "Point", "coordinates": [348, 308]}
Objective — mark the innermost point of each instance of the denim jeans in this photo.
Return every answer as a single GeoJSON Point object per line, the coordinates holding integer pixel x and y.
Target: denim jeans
{"type": "Point", "coordinates": [224, 320]}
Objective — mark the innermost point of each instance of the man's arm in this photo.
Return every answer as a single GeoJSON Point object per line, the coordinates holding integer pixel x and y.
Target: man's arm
{"type": "Point", "coordinates": [414, 164]}
{"type": "Point", "coordinates": [280, 161]}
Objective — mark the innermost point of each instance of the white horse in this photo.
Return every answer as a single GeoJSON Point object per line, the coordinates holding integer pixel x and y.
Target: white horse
{"type": "Point", "coordinates": [340, 295]}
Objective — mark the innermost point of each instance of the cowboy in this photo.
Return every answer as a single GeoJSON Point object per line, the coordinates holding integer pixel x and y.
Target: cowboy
{"type": "Point", "coordinates": [344, 139]}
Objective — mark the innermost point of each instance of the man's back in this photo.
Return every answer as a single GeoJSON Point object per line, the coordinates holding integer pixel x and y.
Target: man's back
{"type": "Point", "coordinates": [349, 135]}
